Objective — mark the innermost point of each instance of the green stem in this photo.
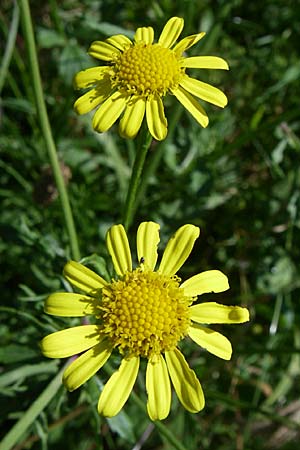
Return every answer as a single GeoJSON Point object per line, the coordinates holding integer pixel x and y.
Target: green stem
{"type": "Point", "coordinates": [276, 313]}
{"type": "Point", "coordinates": [16, 432]}
{"type": "Point", "coordinates": [11, 39]}
{"type": "Point", "coordinates": [46, 129]}
{"type": "Point", "coordinates": [156, 156]}
{"type": "Point", "coordinates": [168, 434]}
{"type": "Point", "coordinates": [56, 18]}
{"type": "Point", "coordinates": [145, 139]}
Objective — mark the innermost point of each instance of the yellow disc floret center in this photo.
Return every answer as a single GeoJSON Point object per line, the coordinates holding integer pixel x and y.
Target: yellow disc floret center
{"type": "Point", "coordinates": [145, 313]}
{"type": "Point", "coordinates": [145, 69]}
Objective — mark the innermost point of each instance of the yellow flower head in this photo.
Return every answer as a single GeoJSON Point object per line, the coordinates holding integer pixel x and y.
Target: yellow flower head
{"type": "Point", "coordinates": [142, 313]}
{"type": "Point", "coordinates": [139, 73]}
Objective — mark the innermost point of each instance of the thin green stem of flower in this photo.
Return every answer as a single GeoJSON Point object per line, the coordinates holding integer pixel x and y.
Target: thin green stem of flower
{"type": "Point", "coordinates": [46, 129]}
{"type": "Point", "coordinates": [157, 155]}
{"type": "Point", "coordinates": [144, 143]}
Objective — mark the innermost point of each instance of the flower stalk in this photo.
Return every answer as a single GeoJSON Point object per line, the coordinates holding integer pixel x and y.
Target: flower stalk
{"type": "Point", "coordinates": [46, 129]}
{"type": "Point", "coordinates": [143, 146]}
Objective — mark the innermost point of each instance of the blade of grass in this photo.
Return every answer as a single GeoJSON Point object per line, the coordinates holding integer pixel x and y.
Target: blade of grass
{"type": "Point", "coordinates": [26, 371]}
{"type": "Point", "coordinates": [16, 432]}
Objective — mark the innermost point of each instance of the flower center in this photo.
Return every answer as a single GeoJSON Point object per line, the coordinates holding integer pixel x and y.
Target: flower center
{"type": "Point", "coordinates": [145, 69]}
{"type": "Point", "coordinates": [145, 313]}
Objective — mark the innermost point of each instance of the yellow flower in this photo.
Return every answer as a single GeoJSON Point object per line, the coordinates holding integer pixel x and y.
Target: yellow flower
{"type": "Point", "coordinates": [138, 74]}
{"type": "Point", "coordinates": [143, 313]}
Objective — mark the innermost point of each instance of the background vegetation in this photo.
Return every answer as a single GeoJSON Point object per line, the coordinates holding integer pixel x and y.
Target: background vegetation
{"type": "Point", "coordinates": [239, 180]}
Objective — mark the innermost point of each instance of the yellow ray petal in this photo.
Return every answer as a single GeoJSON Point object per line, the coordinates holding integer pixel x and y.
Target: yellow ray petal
{"type": "Point", "coordinates": [67, 304]}
{"type": "Point", "coordinates": [88, 101]}
{"type": "Point", "coordinates": [156, 120]}
{"type": "Point", "coordinates": [83, 278]}
{"type": "Point", "coordinates": [185, 382]}
{"type": "Point", "coordinates": [89, 77]}
{"type": "Point", "coordinates": [158, 388]}
{"type": "Point", "coordinates": [144, 34]}
{"type": "Point", "coordinates": [120, 41]}
{"type": "Point", "coordinates": [191, 104]}
{"type": "Point", "coordinates": [118, 388]}
{"type": "Point", "coordinates": [171, 32]}
{"type": "Point", "coordinates": [132, 118]}
{"type": "Point", "coordinates": [204, 91]}
{"type": "Point", "coordinates": [212, 341]}
{"type": "Point", "coordinates": [118, 248]}
{"type": "Point", "coordinates": [212, 312]}
{"type": "Point", "coordinates": [209, 281]}
{"type": "Point", "coordinates": [103, 50]}
{"type": "Point", "coordinates": [147, 242]}
{"type": "Point", "coordinates": [205, 62]}
{"type": "Point", "coordinates": [109, 112]}
{"type": "Point", "coordinates": [84, 367]}
{"type": "Point", "coordinates": [71, 341]}
{"type": "Point", "coordinates": [187, 42]}
{"type": "Point", "coordinates": [178, 249]}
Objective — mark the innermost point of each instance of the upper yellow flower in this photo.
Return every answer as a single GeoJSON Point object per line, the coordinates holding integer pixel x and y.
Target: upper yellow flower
{"type": "Point", "coordinates": [142, 313]}
{"type": "Point", "coordinates": [138, 74]}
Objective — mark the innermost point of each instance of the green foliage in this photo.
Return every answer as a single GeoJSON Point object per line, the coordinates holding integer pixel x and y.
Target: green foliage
{"type": "Point", "coordinates": [238, 179]}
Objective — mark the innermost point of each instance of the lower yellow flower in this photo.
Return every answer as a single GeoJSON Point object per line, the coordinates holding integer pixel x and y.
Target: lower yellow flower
{"type": "Point", "coordinates": [139, 74]}
{"type": "Point", "coordinates": [142, 313]}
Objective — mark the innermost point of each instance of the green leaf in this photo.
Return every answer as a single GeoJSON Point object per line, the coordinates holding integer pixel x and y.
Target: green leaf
{"type": "Point", "coordinates": [13, 353]}
{"type": "Point", "coordinates": [48, 38]}
{"type": "Point", "coordinates": [122, 425]}
{"type": "Point", "coordinates": [72, 59]}
{"type": "Point", "coordinates": [26, 371]}
{"type": "Point", "coordinates": [280, 277]}
{"type": "Point", "coordinates": [105, 28]}
{"type": "Point", "coordinates": [97, 262]}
